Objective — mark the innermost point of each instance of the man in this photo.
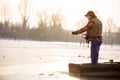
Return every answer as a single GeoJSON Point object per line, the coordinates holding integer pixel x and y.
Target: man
{"type": "Point", "coordinates": [94, 35]}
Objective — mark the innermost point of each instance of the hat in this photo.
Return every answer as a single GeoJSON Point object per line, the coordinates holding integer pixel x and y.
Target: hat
{"type": "Point", "coordinates": [90, 13]}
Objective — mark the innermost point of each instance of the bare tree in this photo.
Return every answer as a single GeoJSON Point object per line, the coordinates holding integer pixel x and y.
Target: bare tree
{"type": "Point", "coordinates": [110, 29]}
{"type": "Point", "coordinates": [5, 18]}
{"type": "Point", "coordinates": [56, 23]}
{"type": "Point", "coordinates": [117, 38]}
{"type": "Point", "coordinates": [43, 18]}
{"type": "Point", "coordinates": [25, 10]}
{"type": "Point", "coordinates": [111, 26]}
{"type": "Point", "coordinates": [5, 13]}
{"type": "Point", "coordinates": [118, 30]}
{"type": "Point", "coordinates": [56, 19]}
{"type": "Point", "coordinates": [43, 23]}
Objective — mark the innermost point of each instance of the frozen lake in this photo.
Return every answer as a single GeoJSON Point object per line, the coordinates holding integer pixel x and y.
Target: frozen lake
{"type": "Point", "coordinates": [35, 60]}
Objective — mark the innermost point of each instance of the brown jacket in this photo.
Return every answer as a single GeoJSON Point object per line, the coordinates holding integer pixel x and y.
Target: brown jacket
{"type": "Point", "coordinates": [93, 29]}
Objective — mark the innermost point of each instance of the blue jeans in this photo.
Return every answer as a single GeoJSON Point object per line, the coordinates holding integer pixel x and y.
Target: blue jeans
{"type": "Point", "coordinates": [95, 47]}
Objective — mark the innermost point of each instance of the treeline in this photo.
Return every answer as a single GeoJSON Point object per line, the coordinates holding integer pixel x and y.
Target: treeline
{"type": "Point", "coordinates": [42, 33]}
{"type": "Point", "coordinates": [50, 33]}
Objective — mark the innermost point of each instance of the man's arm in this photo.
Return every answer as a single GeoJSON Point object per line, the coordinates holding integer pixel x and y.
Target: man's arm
{"type": "Point", "coordinates": [88, 26]}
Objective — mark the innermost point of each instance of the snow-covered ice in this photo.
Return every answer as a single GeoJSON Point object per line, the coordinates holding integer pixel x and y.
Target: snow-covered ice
{"type": "Point", "coordinates": [36, 60]}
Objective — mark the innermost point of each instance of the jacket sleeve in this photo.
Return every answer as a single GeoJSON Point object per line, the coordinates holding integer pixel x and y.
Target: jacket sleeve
{"type": "Point", "coordinates": [88, 26]}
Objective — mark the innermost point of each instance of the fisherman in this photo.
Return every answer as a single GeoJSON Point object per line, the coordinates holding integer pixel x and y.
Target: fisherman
{"type": "Point", "coordinates": [93, 35]}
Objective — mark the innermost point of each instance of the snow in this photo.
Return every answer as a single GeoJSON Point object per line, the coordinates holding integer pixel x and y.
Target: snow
{"type": "Point", "coordinates": [41, 60]}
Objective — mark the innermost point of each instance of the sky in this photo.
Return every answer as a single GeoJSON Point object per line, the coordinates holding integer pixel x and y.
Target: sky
{"type": "Point", "coordinates": [73, 10]}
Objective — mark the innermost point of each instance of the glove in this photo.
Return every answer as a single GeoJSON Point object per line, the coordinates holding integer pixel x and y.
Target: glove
{"type": "Point", "coordinates": [74, 33]}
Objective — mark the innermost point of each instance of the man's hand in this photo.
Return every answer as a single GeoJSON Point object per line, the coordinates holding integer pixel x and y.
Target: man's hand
{"type": "Point", "coordinates": [74, 33]}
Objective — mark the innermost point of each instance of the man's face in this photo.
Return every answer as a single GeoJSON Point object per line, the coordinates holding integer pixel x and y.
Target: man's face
{"type": "Point", "coordinates": [88, 17]}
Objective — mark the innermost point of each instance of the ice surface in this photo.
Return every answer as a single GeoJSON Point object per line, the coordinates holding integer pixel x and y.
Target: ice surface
{"type": "Point", "coordinates": [36, 60]}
